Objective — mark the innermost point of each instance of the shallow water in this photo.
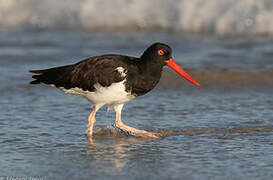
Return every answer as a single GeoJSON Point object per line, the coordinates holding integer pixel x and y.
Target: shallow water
{"type": "Point", "coordinates": [222, 130]}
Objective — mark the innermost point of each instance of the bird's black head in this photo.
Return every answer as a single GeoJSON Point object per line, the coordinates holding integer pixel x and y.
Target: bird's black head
{"type": "Point", "coordinates": [159, 55]}
{"type": "Point", "coordinates": [158, 52]}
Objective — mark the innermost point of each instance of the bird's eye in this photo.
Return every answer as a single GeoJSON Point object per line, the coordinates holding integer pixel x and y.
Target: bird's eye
{"type": "Point", "coordinates": [160, 52]}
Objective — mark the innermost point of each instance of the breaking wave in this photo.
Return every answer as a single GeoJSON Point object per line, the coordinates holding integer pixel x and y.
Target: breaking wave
{"type": "Point", "coordinates": [224, 17]}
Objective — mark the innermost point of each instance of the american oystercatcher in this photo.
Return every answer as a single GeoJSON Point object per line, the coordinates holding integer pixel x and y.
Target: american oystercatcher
{"type": "Point", "coordinates": [112, 80]}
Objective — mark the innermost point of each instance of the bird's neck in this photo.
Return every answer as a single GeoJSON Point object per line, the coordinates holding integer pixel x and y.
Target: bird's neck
{"type": "Point", "coordinates": [145, 78]}
{"type": "Point", "coordinates": [150, 67]}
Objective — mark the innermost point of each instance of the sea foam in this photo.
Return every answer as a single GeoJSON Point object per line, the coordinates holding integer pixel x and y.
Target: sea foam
{"type": "Point", "coordinates": [221, 17]}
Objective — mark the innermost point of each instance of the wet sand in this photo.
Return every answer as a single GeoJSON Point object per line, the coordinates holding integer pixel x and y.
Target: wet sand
{"type": "Point", "coordinates": [112, 132]}
{"type": "Point", "coordinates": [221, 77]}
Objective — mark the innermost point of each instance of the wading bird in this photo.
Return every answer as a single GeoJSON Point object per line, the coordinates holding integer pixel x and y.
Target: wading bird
{"type": "Point", "coordinates": [113, 80]}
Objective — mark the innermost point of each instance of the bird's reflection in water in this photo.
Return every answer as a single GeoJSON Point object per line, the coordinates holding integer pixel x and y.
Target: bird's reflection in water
{"type": "Point", "coordinates": [117, 148]}
{"type": "Point", "coordinates": [116, 151]}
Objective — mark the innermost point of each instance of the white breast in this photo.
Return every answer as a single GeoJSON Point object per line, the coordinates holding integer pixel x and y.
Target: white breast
{"type": "Point", "coordinates": [111, 95]}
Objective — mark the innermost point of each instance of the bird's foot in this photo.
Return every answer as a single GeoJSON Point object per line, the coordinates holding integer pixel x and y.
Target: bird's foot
{"type": "Point", "coordinates": [138, 133]}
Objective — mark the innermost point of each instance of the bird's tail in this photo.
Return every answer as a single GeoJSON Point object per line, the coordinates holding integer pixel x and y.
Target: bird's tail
{"type": "Point", "coordinates": [37, 77]}
{"type": "Point", "coordinates": [58, 76]}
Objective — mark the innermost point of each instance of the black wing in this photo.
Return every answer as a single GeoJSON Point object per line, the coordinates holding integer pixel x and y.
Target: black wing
{"type": "Point", "coordinates": [99, 69]}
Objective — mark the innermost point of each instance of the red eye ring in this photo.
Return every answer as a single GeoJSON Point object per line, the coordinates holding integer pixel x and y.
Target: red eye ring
{"type": "Point", "coordinates": [160, 52]}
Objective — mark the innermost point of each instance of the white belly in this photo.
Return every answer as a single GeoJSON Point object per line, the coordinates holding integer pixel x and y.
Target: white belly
{"type": "Point", "coordinates": [111, 95]}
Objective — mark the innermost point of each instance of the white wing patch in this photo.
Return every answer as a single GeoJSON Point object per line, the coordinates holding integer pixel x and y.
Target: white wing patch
{"type": "Point", "coordinates": [122, 71]}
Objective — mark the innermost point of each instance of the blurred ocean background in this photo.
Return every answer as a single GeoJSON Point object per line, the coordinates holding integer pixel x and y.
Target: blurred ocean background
{"type": "Point", "coordinates": [220, 130]}
{"type": "Point", "coordinates": [225, 17]}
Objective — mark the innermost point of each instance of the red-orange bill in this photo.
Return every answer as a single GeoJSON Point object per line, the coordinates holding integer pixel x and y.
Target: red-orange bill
{"type": "Point", "coordinates": [180, 71]}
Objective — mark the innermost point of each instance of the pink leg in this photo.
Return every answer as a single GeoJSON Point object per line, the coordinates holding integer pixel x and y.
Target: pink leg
{"type": "Point", "coordinates": [137, 132]}
{"type": "Point", "coordinates": [92, 120]}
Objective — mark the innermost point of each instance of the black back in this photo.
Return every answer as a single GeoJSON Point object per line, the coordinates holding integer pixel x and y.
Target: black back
{"type": "Point", "coordinates": [86, 73]}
